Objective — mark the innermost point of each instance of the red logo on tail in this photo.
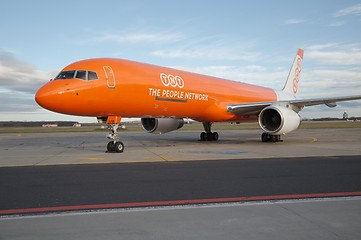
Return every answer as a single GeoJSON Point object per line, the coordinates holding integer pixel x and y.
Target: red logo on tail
{"type": "Point", "coordinates": [297, 73]}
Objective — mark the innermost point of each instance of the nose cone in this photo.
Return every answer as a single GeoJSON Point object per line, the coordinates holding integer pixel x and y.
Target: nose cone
{"type": "Point", "coordinates": [59, 96]}
{"type": "Point", "coordinates": [43, 97]}
{"type": "Point", "coordinates": [50, 96]}
{"type": "Point", "coordinates": [65, 96]}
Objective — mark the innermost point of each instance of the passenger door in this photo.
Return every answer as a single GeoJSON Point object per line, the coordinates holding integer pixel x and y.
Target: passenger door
{"type": "Point", "coordinates": [110, 77]}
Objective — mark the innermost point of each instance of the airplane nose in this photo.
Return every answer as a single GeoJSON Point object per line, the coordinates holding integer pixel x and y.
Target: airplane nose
{"type": "Point", "coordinates": [57, 97]}
{"type": "Point", "coordinates": [62, 97]}
{"type": "Point", "coordinates": [40, 97]}
{"type": "Point", "coordinates": [45, 97]}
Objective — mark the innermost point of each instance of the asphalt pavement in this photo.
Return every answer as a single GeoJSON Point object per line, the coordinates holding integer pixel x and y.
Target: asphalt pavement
{"type": "Point", "coordinates": [43, 188]}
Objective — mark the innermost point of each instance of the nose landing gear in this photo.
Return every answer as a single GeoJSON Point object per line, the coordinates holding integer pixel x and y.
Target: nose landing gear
{"type": "Point", "coordinates": [115, 145]}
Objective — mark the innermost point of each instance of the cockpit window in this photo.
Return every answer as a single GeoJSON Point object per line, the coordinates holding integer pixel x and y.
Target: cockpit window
{"type": "Point", "coordinates": [80, 74]}
{"type": "Point", "coordinates": [92, 75]}
{"type": "Point", "coordinates": [65, 75]}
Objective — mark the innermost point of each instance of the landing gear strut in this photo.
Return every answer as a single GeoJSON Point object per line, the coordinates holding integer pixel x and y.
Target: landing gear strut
{"type": "Point", "coordinates": [112, 124]}
{"type": "Point", "coordinates": [266, 137]}
{"type": "Point", "coordinates": [208, 135]}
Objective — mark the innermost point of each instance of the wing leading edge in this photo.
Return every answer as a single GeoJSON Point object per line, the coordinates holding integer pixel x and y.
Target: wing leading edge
{"type": "Point", "coordinates": [255, 108]}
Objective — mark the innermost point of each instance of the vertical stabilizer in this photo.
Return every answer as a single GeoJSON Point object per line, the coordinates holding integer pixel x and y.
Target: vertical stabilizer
{"type": "Point", "coordinates": [291, 86]}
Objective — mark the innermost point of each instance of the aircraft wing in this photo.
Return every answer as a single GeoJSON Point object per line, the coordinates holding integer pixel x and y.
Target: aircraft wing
{"type": "Point", "coordinates": [257, 107]}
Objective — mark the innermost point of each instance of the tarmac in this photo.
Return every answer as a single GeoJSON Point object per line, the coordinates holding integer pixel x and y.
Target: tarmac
{"type": "Point", "coordinates": [35, 149]}
{"type": "Point", "coordinates": [316, 218]}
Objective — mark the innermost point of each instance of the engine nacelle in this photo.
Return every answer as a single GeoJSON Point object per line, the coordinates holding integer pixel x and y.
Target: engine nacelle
{"type": "Point", "coordinates": [161, 125]}
{"type": "Point", "coordinates": [277, 120]}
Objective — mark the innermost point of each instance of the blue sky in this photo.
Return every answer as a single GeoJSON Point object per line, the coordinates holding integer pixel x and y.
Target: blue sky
{"type": "Point", "coordinates": [248, 41]}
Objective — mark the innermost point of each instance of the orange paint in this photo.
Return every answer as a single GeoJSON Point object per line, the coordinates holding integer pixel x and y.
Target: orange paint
{"type": "Point", "coordinates": [131, 89]}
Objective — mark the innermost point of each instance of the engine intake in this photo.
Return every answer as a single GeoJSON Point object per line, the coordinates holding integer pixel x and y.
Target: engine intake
{"type": "Point", "coordinates": [278, 120]}
{"type": "Point", "coordinates": [161, 125]}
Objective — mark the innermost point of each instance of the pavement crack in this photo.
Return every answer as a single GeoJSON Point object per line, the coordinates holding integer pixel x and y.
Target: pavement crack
{"type": "Point", "coordinates": [156, 154]}
{"type": "Point", "coordinates": [311, 221]}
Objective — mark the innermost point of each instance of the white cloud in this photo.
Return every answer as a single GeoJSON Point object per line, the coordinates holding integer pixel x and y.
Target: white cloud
{"type": "Point", "coordinates": [293, 21]}
{"type": "Point", "coordinates": [335, 54]}
{"type": "Point", "coordinates": [321, 46]}
{"type": "Point", "coordinates": [352, 10]}
{"type": "Point", "coordinates": [337, 24]}
{"type": "Point", "coordinates": [214, 51]}
{"type": "Point", "coordinates": [140, 37]}
{"type": "Point", "coordinates": [15, 101]}
{"type": "Point", "coordinates": [207, 53]}
{"type": "Point", "coordinates": [18, 84]}
{"type": "Point", "coordinates": [252, 74]}
{"type": "Point", "coordinates": [322, 82]}
{"type": "Point", "coordinates": [213, 47]}
{"type": "Point", "coordinates": [20, 76]}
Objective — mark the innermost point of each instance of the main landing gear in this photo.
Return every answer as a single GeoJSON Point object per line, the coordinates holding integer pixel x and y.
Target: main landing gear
{"type": "Point", "coordinates": [266, 137]}
{"type": "Point", "coordinates": [112, 124]}
{"type": "Point", "coordinates": [208, 135]}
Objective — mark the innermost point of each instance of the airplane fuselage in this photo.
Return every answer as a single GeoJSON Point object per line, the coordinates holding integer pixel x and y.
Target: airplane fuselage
{"type": "Point", "coordinates": [131, 89]}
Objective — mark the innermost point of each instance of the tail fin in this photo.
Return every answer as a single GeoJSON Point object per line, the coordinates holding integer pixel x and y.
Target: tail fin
{"type": "Point", "coordinates": [291, 86]}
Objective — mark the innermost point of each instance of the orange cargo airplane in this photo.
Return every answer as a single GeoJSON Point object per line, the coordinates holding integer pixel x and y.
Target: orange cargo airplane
{"type": "Point", "coordinates": [110, 89]}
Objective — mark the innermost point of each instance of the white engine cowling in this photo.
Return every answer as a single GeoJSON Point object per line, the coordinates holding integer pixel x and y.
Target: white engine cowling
{"type": "Point", "coordinates": [161, 125]}
{"type": "Point", "coordinates": [277, 120]}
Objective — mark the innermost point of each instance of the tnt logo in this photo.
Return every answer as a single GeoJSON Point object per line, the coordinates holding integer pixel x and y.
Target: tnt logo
{"type": "Point", "coordinates": [296, 74]}
{"type": "Point", "coordinates": [170, 80]}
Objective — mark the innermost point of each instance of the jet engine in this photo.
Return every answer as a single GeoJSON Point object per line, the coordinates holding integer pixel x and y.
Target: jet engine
{"type": "Point", "coordinates": [161, 125]}
{"type": "Point", "coordinates": [277, 120]}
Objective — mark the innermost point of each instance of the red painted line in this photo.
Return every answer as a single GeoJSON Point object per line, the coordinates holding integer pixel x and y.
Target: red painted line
{"type": "Point", "coordinates": [176, 202]}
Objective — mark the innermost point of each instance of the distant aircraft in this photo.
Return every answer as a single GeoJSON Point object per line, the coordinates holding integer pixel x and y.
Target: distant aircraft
{"type": "Point", "coordinates": [112, 89]}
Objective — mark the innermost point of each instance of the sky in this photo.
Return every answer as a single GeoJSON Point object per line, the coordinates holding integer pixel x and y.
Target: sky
{"type": "Point", "coordinates": [248, 41]}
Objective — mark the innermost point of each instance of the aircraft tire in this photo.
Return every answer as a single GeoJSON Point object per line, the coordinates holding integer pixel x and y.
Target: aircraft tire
{"type": "Point", "coordinates": [274, 138]}
{"type": "Point", "coordinates": [119, 147]}
{"type": "Point", "coordinates": [265, 137]}
{"type": "Point", "coordinates": [215, 136]}
{"type": "Point", "coordinates": [111, 146]}
{"type": "Point", "coordinates": [203, 136]}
